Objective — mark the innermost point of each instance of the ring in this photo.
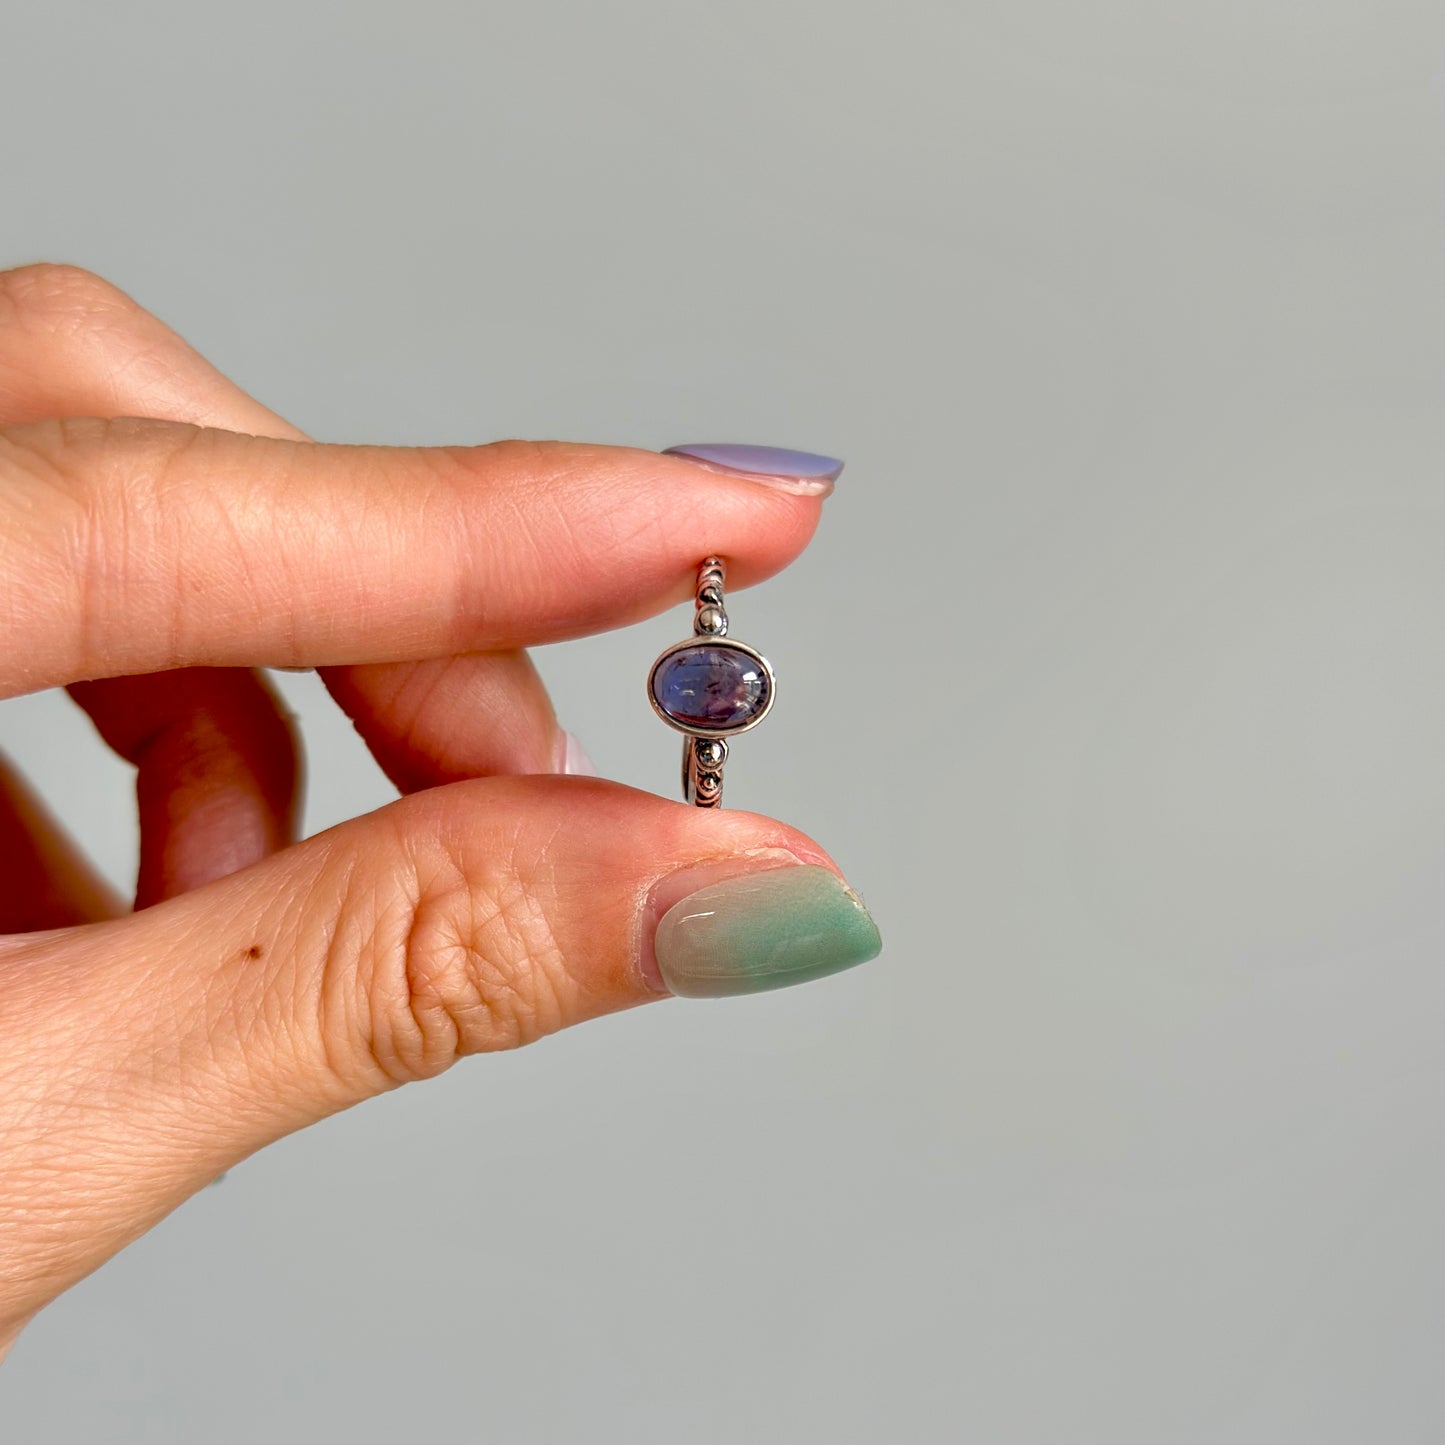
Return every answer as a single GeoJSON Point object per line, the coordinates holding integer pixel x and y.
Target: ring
{"type": "Point", "coordinates": [709, 689]}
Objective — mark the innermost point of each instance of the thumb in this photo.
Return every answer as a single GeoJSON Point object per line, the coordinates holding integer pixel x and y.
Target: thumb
{"type": "Point", "coordinates": [145, 1056]}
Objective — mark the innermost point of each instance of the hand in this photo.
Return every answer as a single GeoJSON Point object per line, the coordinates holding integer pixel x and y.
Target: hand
{"type": "Point", "coordinates": [264, 984]}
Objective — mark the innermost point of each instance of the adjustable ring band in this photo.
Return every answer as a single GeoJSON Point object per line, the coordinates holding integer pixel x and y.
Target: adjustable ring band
{"type": "Point", "coordinates": [710, 688]}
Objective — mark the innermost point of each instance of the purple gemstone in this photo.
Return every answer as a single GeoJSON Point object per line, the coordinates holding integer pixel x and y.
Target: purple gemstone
{"type": "Point", "coordinates": [713, 686]}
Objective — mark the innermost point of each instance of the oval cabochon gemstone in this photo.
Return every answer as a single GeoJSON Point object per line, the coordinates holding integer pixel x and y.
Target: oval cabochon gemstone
{"type": "Point", "coordinates": [713, 686]}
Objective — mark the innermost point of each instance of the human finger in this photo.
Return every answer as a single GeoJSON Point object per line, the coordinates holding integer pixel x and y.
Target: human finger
{"type": "Point", "coordinates": [134, 546]}
{"type": "Point", "coordinates": [217, 768]}
{"type": "Point", "coordinates": [71, 344]}
{"type": "Point", "coordinates": [140, 545]}
{"type": "Point", "coordinates": [456, 921]}
{"type": "Point", "coordinates": [472, 715]}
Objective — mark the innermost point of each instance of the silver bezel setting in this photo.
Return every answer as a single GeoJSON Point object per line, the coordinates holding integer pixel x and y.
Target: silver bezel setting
{"type": "Point", "coordinates": [703, 640]}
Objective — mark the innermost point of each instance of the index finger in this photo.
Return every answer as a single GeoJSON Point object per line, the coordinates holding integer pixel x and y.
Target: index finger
{"type": "Point", "coordinates": [134, 546]}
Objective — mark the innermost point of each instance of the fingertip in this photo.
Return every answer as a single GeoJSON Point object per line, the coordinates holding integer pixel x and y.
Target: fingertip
{"type": "Point", "coordinates": [680, 507]}
{"type": "Point", "coordinates": [760, 929]}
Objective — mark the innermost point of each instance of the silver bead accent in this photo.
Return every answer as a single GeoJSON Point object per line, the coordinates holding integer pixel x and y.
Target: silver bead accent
{"type": "Point", "coordinates": [711, 622]}
{"type": "Point", "coordinates": [712, 753]}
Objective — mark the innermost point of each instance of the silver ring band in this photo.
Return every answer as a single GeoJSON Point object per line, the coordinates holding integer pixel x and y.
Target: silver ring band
{"type": "Point", "coordinates": [710, 688]}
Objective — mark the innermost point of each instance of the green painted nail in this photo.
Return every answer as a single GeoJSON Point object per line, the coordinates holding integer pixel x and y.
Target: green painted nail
{"type": "Point", "coordinates": [763, 930]}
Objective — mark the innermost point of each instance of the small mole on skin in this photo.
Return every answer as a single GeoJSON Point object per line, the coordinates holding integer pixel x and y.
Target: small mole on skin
{"type": "Point", "coordinates": [254, 951]}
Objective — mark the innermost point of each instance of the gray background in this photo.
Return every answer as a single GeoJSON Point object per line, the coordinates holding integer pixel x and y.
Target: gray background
{"type": "Point", "coordinates": [1115, 681]}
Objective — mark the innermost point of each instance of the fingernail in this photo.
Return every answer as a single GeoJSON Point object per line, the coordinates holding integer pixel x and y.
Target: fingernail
{"type": "Point", "coordinates": [763, 930]}
{"type": "Point", "coordinates": [572, 757]}
{"type": "Point", "coordinates": [803, 473]}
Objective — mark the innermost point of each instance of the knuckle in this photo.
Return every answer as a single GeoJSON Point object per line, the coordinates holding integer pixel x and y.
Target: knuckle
{"type": "Point", "coordinates": [100, 456]}
{"type": "Point", "coordinates": [89, 508]}
{"type": "Point", "coordinates": [51, 296]}
{"type": "Point", "coordinates": [451, 961]}
{"type": "Point", "coordinates": [109, 473]}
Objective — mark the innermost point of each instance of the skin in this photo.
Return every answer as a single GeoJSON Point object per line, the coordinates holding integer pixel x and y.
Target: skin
{"type": "Point", "coordinates": [259, 984]}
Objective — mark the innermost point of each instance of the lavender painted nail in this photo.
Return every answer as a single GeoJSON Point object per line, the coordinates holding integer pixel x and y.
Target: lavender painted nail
{"type": "Point", "coordinates": [803, 473]}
